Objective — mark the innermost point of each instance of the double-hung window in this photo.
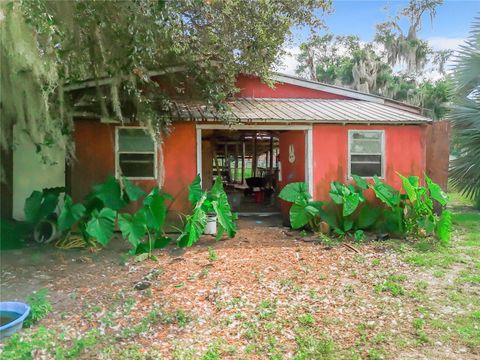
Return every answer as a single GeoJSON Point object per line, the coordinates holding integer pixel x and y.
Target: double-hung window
{"type": "Point", "coordinates": [366, 152]}
{"type": "Point", "coordinates": [136, 154]}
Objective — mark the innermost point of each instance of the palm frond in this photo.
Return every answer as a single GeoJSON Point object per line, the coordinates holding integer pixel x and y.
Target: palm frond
{"type": "Point", "coordinates": [465, 116]}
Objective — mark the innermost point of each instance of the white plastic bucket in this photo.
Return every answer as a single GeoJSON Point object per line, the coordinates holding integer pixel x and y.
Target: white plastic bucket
{"type": "Point", "coordinates": [211, 228]}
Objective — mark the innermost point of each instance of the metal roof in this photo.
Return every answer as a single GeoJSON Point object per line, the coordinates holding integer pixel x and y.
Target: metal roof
{"type": "Point", "coordinates": [299, 110]}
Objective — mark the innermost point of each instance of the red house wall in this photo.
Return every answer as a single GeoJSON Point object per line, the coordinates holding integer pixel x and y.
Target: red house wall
{"type": "Point", "coordinates": [404, 153]}
{"type": "Point", "coordinates": [95, 160]}
{"type": "Point", "coordinates": [251, 86]}
{"type": "Point", "coordinates": [291, 172]}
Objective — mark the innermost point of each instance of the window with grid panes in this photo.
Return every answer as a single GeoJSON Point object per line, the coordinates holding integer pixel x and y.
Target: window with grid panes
{"type": "Point", "coordinates": [136, 153]}
{"type": "Point", "coordinates": [366, 153]}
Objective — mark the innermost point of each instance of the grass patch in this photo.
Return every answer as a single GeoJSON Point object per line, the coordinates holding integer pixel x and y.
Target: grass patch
{"type": "Point", "coordinates": [392, 285]}
{"type": "Point", "coordinates": [431, 259]}
{"type": "Point", "coordinates": [468, 328]}
{"type": "Point", "coordinates": [469, 222]}
{"type": "Point", "coordinates": [311, 347]}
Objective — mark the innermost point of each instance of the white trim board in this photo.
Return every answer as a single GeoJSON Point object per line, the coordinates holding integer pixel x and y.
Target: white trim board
{"type": "Point", "coordinates": [287, 79]}
{"type": "Point", "coordinates": [244, 126]}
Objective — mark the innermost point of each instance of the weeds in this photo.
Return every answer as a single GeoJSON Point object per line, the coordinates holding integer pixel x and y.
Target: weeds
{"type": "Point", "coordinates": [212, 254]}
{"type": "Point", "coordinates": [40, 307]}
{"type": "Point", "coordinates": [392, 285]}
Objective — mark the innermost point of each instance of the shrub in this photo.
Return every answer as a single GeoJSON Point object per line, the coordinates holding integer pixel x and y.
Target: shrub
{"type": "Point", "coordinates": [349, 213]}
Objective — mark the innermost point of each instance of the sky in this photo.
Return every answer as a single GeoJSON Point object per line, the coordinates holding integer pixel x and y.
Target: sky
{"type": "Point", "coordinates": [449, 28]}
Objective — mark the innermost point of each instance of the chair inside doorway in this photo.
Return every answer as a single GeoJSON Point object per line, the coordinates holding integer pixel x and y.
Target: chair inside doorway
{"type": "Point", "coordinates": [248, 163]}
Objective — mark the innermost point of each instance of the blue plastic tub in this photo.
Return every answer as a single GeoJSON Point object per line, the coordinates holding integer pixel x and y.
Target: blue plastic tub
{"type": "Point", "coordinates": [17, 311]}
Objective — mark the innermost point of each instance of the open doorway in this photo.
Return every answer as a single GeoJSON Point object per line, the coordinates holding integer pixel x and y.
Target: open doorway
{"type": "Point", "coordinates": [254, 162]}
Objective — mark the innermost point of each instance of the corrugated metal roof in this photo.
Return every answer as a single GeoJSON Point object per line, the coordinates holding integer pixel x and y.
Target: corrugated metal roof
{"type": "Point", "coordinates": [300, 110]}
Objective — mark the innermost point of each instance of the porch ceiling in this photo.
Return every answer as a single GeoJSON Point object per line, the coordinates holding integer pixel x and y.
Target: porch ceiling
{"type": "Point", "coordinates": [300, 110]}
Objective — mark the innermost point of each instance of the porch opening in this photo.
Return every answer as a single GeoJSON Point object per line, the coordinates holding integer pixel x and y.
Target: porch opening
{"type": "Point", "coordinates": [254, 165]}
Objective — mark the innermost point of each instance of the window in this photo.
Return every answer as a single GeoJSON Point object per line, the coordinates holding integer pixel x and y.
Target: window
{"type": "Point", "coordinates": [366, 153]}
{"type": "Point", "coordinates": [136, 153]}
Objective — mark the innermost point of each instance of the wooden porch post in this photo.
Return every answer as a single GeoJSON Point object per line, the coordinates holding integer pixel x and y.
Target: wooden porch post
{"type": "Point", "coordinates": [236, 163]}
{"type": "Point", "coordinates": [254, 156]}
{"type": "Point", "coordinates": [226, 163]}
{"type": "Point", "coordinates": [243, 161]}
{"type": "Point", "coordinates": [271, 155]}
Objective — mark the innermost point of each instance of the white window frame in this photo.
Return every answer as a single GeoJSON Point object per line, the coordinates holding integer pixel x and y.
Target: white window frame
{"type": "Point", "coordinates": [117, 155]}
{"type": "Point", "coordinates": [382, 154]}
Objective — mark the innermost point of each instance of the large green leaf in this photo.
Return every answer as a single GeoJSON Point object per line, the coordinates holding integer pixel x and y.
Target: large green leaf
{"type": "Point", "coordinates": [194, 226]}
{"type": "Point", "coordinates": [361, 182]}
{"type": "Point", "coordinates": [70, 214]}
{"type": "Point", "coordinates": [298, 216]}
{"type": "Point", "coordinates": [392, 221]}
{"type": "Point", "coordinates": [368, 216]}
{"type": "Point", "coordinates": [101, 225]}
{"type": "Point", "coordinates": [218, 201]}
{"type": "Point", "coordinates": [295, 192]}
{"type": "Point", "coordinates": [224, 216]}
{"type": "Point", "coordinates": [409, 188]}
{"type": "Point", "coordinates": [133, 227]}
{"type": "Point", "coordinates": [337, 192]}
{"type": "Point", "coordinates": [444, 227]}
{"type": "Point", "coordinates": [195, 190]}
{"type": "Point", "coordinates": [155, 208]}
{"type": "Point", "coordinates": [385, 193]}
{"type": "Point", "coordinates": [436, 191]}
{"type": "Point", "coordinates": [144, 247]}
{"type": "Point", "coordinates": [347, 224]}
{"type": "Point", "coordinates": [40, 205]}
{"type": "Point", "coordinates": [132, 191]}
{"type": "Point", "coordinates": [350, 203]}
{"type": "Point", "coordinates": [109, 193]}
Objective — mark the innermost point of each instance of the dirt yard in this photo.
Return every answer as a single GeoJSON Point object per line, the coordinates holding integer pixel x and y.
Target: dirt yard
{"type": "Point", "coordinates": [264, 295]}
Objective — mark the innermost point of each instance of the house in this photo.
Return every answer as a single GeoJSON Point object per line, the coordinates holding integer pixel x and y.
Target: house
{"type": "Point", "coordinates": [300, 130]}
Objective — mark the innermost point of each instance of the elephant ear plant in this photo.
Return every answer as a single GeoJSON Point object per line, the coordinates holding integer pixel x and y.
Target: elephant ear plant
{"type": "Point", "coordinates": [96, 218]}
{"type": "Point", "coordinates": [342, 214]}
{"type": "Point", "coordinates": [304, 211]}
{"type": "Point", "coordinates": [40, 213]}
{"type": "Point", "coordinates": [419, 215]}
{"type": "Point", "coordinates": [391, 219]}
{"type": "Point", "coordinates": [349, 213]}
{"type": "Point", "coordinates": [147, 221]}
{"type": "Point", "coordinates": [204, 203]}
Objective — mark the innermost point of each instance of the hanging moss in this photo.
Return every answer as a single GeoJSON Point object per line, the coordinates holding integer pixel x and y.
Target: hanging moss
{"type": "Point", "coordinates": [31, 94]}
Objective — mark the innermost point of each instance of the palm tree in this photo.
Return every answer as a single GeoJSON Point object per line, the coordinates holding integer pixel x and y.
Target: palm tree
{"type": "Point", "coordinates": [465, 117]}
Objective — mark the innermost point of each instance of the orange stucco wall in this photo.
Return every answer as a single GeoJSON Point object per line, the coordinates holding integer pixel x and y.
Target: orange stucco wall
{"type": "Point", "coordinates": [180, 159]}
{"type": "Point", "coordinates": [95, 160]}
{"type": "Point", "coordinates": [404, 153]}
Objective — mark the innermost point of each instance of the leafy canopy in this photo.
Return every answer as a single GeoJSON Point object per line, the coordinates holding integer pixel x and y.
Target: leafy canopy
{"type": "Point", "coordinates": [48, 46]}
